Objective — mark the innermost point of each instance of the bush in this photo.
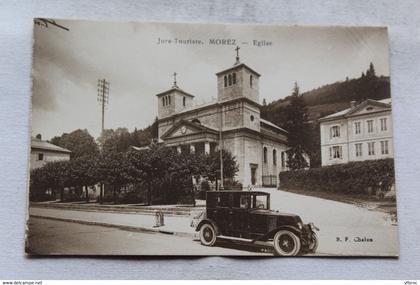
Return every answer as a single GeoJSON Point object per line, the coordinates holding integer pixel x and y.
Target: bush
{"type": "Point", "coordinates": [231, 184]}
{"type": "Point", "coordinates": [350, 178]}
{"type": "Point", "coordinates": [204, 187]}
{"type": "Point", "coordinates": [132, 198]}
{"type": "Point", "coordinates": [40, 197]}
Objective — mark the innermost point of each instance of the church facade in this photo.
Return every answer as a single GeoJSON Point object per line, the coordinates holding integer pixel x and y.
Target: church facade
{"type": "Point", "coordinates": [232, 123]}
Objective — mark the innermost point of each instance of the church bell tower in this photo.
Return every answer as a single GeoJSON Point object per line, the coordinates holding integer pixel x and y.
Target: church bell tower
{"type": "Point", "coordinates": [238, 81]}
{"type": "Point", "coordinates": [173, 100]}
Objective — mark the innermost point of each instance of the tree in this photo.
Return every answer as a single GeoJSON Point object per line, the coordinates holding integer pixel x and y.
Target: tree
{"type": "Point", "coordinates": [155, 129]}
{"type": "Point", "coordinates": [264, 102]}
{"type": "Point", "coordinates": [212, 165]}
{"type": "Point", "coordinates": [79, 142]}
{"type": "Point", "coordinates": [38, 184]}
{"type": "Point", "coordinates": [159, 166]}
{"type": "Point", "coordinates": [181, 169]}
{"type": "Point", "coordinates": [56, 175]}
{"type": "Point", "coordinates": [117, 140]}
{"type": "Point", "coordinates": [297, 127]}
{"type": "Point", "coordinates": [371, 71]}
{"type": "Point", "coordinates": [150, 166]}
{"type": "Point", "coordinates": [113, 170]}
{"type": "Point", "coordinates": [83, 172]}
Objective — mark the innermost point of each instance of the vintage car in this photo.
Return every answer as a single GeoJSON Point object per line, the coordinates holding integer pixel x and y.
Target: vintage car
{"type": "Point", "coordinates": [246, 216]}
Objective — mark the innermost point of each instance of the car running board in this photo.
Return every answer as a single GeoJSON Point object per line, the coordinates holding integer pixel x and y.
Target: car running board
{"type": "Point", "coordinates": [244, 240]}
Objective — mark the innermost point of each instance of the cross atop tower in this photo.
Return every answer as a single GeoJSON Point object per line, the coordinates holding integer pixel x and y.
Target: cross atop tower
{"type": "Point", "coordinates": [174, 75]}
{"type": "Point", "coordinates": [237, 54]}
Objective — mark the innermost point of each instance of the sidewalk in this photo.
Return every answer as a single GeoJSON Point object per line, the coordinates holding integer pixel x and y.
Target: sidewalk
{"type": "Point", "coordinates": [176, 224]}
{"type": "Point", "coordinates": [168, 210]}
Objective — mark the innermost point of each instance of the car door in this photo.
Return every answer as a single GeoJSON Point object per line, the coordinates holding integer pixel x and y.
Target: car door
{"type": "Point", "coordinates": [223, 213]}
{"type": "Point", "coordinates": [240, 216]}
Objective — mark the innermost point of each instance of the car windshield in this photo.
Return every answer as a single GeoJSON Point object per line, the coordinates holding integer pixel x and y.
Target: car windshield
{"type": "Point", "coordinates": [261, 202]}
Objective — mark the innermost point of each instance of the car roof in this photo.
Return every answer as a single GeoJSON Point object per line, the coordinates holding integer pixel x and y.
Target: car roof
{"type": "Point", "coordinates": [240, 192]}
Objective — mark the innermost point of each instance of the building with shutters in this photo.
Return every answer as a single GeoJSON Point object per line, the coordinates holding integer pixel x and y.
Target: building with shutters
{"type": "Point", "coordinates": [361, 132]}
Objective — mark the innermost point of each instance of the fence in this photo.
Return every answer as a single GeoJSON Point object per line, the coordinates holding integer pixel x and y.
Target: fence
{"type": "Point", "coordinates": [269, 181]}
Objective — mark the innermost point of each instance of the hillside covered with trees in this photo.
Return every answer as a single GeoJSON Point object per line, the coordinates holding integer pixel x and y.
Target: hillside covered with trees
{"type": "Point", "coordinates": [326, 100]}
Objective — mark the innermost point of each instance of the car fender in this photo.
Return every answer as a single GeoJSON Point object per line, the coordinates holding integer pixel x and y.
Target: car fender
{"type": "Point", "coordinates": [293, 229]}
{"type": "Point", "coordinates": [208, 221]}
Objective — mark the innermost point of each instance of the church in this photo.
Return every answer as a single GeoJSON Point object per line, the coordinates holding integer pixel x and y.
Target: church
{"type": "Point", "coordinates": [232, 123]}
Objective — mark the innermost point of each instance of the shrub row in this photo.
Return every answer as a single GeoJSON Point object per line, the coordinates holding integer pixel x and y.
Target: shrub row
{"type": "Point", "coordinates": [354, 177]}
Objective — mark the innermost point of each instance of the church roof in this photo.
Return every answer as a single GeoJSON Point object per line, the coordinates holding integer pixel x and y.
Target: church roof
{"type": "Point", "coordinates": [174, 88]}
{"type": "Point", "coordinates": [273, 125]}
{"type": "Point", "coordinates": [44, 145]}
{"type": "Point", "coordinates": [235, 66]}
{"type": "Point", "coordinates": [212, 104]}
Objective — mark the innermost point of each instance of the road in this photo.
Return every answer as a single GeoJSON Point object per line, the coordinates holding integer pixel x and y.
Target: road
{"type": "Point", "coordinates": [345, 230]}
{"type": "Point", "coordinates": [58, 237]}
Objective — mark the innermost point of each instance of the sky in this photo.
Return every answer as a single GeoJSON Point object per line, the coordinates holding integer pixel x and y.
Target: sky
{"type": "Point", "coordinates": [68, 64]}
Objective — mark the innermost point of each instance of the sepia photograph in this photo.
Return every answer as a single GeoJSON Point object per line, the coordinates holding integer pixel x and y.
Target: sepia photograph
{"type": "Point", "coordinates": [176, 139]}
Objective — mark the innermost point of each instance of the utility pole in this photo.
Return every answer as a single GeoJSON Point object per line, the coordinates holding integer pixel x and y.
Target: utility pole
{"type": "Point", "coordinates": [103, 95]}
{"type": "Point", "coordinates": [221, 147]}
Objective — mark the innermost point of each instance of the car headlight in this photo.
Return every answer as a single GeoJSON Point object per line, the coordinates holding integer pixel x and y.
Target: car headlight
{"type": "Point", "coordinates": [313, 227]}
{"type": "Point", "coordinates": [300, 225]}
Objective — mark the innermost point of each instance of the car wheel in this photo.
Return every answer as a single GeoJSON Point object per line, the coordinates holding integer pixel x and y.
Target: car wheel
{"type": "Point", "coordinates": [207, 235]}
{"type": "Point", "coordinates": [313, 245]}
{"type": "Point", "coordinates": [286, 243]}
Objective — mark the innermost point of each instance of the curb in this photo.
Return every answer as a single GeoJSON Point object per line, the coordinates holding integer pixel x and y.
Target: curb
{"type": "Point", "coordinates": [115, 210]}
{"type": "Point", "coordinates": [121, 227]}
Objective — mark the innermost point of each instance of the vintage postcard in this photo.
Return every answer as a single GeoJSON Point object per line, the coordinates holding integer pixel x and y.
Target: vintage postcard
{"type": "Point", "coordinates": [210, 139]}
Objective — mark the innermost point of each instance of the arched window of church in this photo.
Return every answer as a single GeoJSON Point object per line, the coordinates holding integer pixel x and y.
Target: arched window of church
{"type": "Point", "coordinates": [230, 79]}
{"type": "Point", "coordinates": [225, 79]}
{"type": "Point", "coordinates": [184, 101]}
{"type": "Point", "coordinates": [166, 101]}
{"type": "Point", "coordinates": [250, 80]}
{"type": "Point", "coordinates": [163, 101]}
{"type": "Point", "coordinates": [234, 78]}
{"type": "Point", "coordinates": [274, 157]}
{"type": "Point", "coordinates": [265, 155]}
{"type": "Point", "coordinates": [169, 100]}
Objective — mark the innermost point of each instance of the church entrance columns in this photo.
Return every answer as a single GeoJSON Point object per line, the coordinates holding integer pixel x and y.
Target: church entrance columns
{"type": "Point", "coordinates": [207, 148]}
{"type": "Point", "coordinates": [200, 147]}
{"type": "Point", "coordinates": [192, 148]}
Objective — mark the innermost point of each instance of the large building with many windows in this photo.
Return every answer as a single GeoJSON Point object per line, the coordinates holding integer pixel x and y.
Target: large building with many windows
{"type": "Point", "coordinates": [361, 132]}
{"type": "Point", "coordinates": [233, 121]}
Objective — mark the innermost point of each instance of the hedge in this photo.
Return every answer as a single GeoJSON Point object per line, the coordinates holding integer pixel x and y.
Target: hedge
{"type": "Point", "coordinates": [353, 177]}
